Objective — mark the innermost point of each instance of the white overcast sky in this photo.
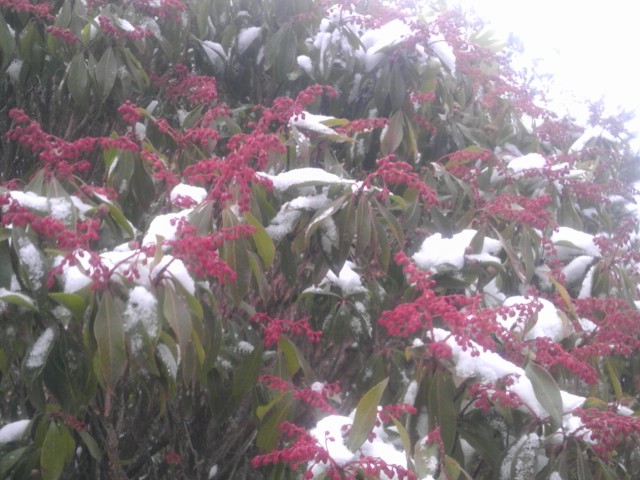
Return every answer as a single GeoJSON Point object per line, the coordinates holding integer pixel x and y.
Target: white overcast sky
{"type": "Point", "coordinates": [591, 48]}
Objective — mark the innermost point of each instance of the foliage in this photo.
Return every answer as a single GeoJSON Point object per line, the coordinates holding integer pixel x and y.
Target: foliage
{"type": "Point", "coordinates": [211, 241]}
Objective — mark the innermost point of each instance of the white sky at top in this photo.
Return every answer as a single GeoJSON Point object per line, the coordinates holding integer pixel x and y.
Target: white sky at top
{"type": "Point", "coordinates": [590, 48]}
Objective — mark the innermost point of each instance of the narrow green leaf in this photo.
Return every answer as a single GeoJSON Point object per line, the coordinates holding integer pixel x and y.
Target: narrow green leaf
{"type": "Point", "coordinates": [17, 298]}
{"type": "Point", "coordinates": [453, 469]}
{"type": "Point", "coordinates": [57, 450]}
{"type": "Point", "coordinates": [546, 391]}
{"type": "Point", "coordinates": [366, 414]}
{"type": "Point", "coordinates": [94, 450]}
{"type": "Point", "coordinates": [582, 469]}
{"type": "Point", "coordinates": [614, 378]}
{"type": "Point", "coordinates": [10, 460]}
{"type": "Point", "coordinates": [294, 359]}
{"type": "Point", "coordinates": [72, 301]}
{"type": "Point", "coordinates": [78, 80]}
{"type": "Point", "coordinates": [363, 225]}
{"type": "Point", "coordinates": [279, 410]}
{"type": "Point", "coordinates": [106, 72]}
{"type": "Point", "coordinates": [392, 224]}
{"type": "Point", "coordinates": [322, 214]}
{"type": "Point", "coordinates": [441, 407]}
{"type": "Point", "coordinates": [109, 335]}
{"type": "Point", "coordinates": [177, 314]}
{"type": "Point", "coordinates": [393, 134]}
{"type": "Point", "coordinates": [7, 43]}
{"type": "Point", "coordinates": [398, 88]}
{"type": "Point", "coordinates": [264, 244]}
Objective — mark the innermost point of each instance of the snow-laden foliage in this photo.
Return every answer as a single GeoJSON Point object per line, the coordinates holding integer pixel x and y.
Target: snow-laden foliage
{"type": "Point", "coordinates": [294, 239]}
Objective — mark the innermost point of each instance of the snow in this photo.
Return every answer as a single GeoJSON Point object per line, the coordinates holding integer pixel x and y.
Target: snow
{"type": "Point", "coordinates": [282, 224]}
{"type": "Point", "coordinates": [244, 347]}
{"type": "Point", "coordinates": [213, 471]}
{"type": "Point", "coordinates": [313, 123]}
{"type": "Point", "coordinates": [246, 37]}
{"type": "Point", "coordinates": [215, 52]}
{"type": "Point", "coordinates": [40, 349]}
{"type": "Point", "coordinates": [30, 200]}
{"type": "Point", "coordinates": [589, 134]}
{"type": "Point", "coordinates": [300, 176]}
{"type": "Point", "coordinates": [329, 434]}
{"type": "Point", "coordinates": [444, 51]}
{"type": "Point", "coordinates": [167, 358]}
{"type": "Point", "coordinates": [165, 226]}
{"type": "Point", "coordinates": [575, 270]}
{"type": "Point", "coordinates": [489, 367]}
{"type": "Point", "coordinates": [197, 194]}
{"type": "Point", "coordinates": [587, 284]}
{"type": "Point", "coordinates": [348, 280]}
{"type": "Point", "coordinates": [532, 161]}
{"type": "Point", "coordinates": [32, 260]}
{"type": "Point", "coordinates": [525, 458]}
{"type": "Point", "coordinates": [440, 253]}
{"type": "Point", "coordinates": [548, 321]}
{"type": "Point", "coordinates": [304, 62]}
{"type": "Point", "coordinates": [570, 242]}
{"type": "Point", "coordinates": [125, 25]}
{"type": "Point", "coordinates": [141, 310]}
{"type": "Point", "coordinates": [14, 432]}
{"type": "Point", "coordinates": [176, 270]}
{"type": "Point", "coordinates": [13, 70]}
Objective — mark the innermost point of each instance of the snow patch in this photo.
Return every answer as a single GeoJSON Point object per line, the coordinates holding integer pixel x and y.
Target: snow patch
{"type": "Point", "coordinates": [440, 253]}
{"type": "Point", "coordinates": [14, 432]}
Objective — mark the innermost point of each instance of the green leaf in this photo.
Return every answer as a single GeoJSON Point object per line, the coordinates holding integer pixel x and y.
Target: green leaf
{"type": "Point", "coordinates": [277, 411]}
{"type": "Point", "coordinates": [322, 214]}
{"type": "Point", "coordinates": [582, 468]}
{"type": "Point", "coordinates": [264, 244]}
{"type": "Point", "coordinates": [441, 407]}
{"type": "Point", "coordinates": [57, 451]}
{"type": "Point", "coordinates": [294, 359]}
{"type": "Point", "coordinates": [78, 80]}
{"type": "Point", "coordinates": [109, 335]}
{"type": "Point", "coordinates": [393, 134]}
{"type": "Point", "coordinates": [546, 391]}
{"type": "Point", "coordinates": [398, 88]}
{"type": "Point", "coordinates": [7, 43]}
{"type": "Point", "coordinates": [366, 415]}
{"type": "Point", "coordinates": [453, 469]}
{"type": "Point", "coordinates": [10, 460]}
{"type": "Point", "coordinates": [363, 226]}
{"type": "Point", "coordinates": [391, 223]}
{"type": "Point", "coordinates": [106, 72]}
{"type": "Point", "coordinates": [177, 315]}
{"type": "Point", "coordinates": [286, 52]}
{"type": "Point", "coordinates": [614, 378]}
{"type": "Point", "coordinates": [94, 450]}
{"type": "Point", "coordinates": [72, 301]}
{"type": "Point", "coordinates": [423, 456]}
{"type": "Point", "coordinates": [17, 298]}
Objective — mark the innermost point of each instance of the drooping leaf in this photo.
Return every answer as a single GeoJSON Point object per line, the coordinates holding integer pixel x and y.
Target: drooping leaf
{"type": "Point", "coordinates": [546, 391]}
{"type": "Point", "coordinates": [264, 244]}
{"type": "Point", "coordinates": [393, 134]}
{"type": "Point", "coordinates": [57, 451]}
{"type": "Point", "coordinates": [7, 44]}
{"type": "Point", "coordinates": [109, 335]}
{"type": "Point", "coordinates": [441, 407]}
{"type": "Point", "coordinates": [78, 80]}
{"type": "Point", "coordinates": [365, 417]}
{"type": "Point", "coordinates": [106, 72]}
